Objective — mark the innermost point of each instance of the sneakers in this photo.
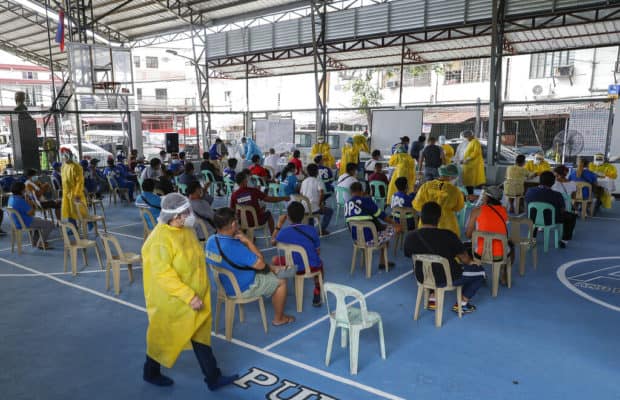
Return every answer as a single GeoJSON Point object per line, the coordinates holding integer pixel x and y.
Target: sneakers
{"type": "Point", "coordinates": [562, 244]}
{"type": "Point", "coordinates": [158, 380]}
{"type": "Point", "coordinates": [222, 381]}
{"type": "Point", "coordinates": [431, 305]}
{"type": "Point", "coordinates": [467, 308]}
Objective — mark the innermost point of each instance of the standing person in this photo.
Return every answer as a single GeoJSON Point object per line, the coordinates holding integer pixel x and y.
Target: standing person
{"type": "Point", "coordinates": [348, 156]}
{"type": "Point", "coordinates": [24, 207]}
{"type": "Point", "coordinates": [304, 236]}
{"type": "Point", "coordinates": [272, 161]}
{"type": "Point", "coordinates": [72, 187]}
{"type": "Point", "coordinates": [473, 163]}
{"type": "Point", "coordinates": [404, 167]}
{"type": "Point", "coordinates": [417, 147]}
{"type": "Point", "coordinates": [430, 239]}
{"type": "Point", "coordinates": [361, 208]}
{"type": "Point", "coordinates": [252, 149]}
{"type": "Point", "coordinates": [56, 178]}
{"type": "Point", "coordinates": [431, 158]}
{"type": "Point", "coordinates": [404, 142]}
{"type": "Point", "coordinates": [177, 296]}
{"type": "Point", "coordinates": [347, 179]}
{"type": "Point", "coordinates": [314, 189]}
{"type": "Point", "coordinates": [448, 151]}
{"type": "Point", "coordinates": [216, 150]}
{"type": "Point", "coordinates": [299, 169]}
{"type": "Point", "coordinates": [544, 194]}
{"type": "Point", "coordinates": [321, 148]}
{"type": "Point", "coordinates": [443, 192]}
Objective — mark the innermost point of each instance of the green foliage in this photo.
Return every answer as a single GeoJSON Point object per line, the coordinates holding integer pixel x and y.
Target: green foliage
{"type": "Point", "coordinates": [365, 95]}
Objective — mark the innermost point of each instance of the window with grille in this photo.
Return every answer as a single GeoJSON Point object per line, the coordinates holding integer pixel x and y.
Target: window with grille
{"type": "Point", "coordinates": [542, 65]}
{"type": "Point", "coordinates": [161, 94]}
{"type": "Point", "coordinates": [417, 78]}
{"type": "Point", "coordinates": [30, 75]}
{"type": "Point", "coordinates": [136, 61]}
{"type": "Point", "coordinates": [467, 71]}
{"type": "Point", "coordinates": [453, 73]}
{"type": "Point", "coordinates": [152, 62]}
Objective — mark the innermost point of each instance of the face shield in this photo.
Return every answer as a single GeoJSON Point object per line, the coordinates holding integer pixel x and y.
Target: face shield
{"type": "Point", "coordinates": [173, 205]}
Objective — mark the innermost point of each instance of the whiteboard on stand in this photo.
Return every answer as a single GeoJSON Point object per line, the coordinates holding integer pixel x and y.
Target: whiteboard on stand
{"type": "Point", "coordinates": [274, 133]}
{"type": "Point", "coordinates": [388, 126]}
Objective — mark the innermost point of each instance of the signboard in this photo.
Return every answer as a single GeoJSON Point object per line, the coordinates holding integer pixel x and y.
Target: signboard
{"type": "Point", "coordinates": [613, 91]}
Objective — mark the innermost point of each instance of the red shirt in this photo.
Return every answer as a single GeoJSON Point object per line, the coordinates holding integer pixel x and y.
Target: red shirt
{"type": "Point", "coordinates": [248, 196]}
{"type": "Point", "coordinates": [298, 166]}
{"type": "Point", "coordinates": [378, 177]}
{"type": "Point", "coordinates": [258, 170]}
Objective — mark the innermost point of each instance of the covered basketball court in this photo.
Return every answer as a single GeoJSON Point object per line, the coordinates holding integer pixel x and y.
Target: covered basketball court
{"type": "Point", "coordinates": [552, 335]}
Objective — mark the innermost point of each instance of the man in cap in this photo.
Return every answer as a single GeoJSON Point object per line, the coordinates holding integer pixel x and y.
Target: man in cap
{"type": "Point", "coordinates": [473, 163]}
{"type": "Point", "coordinates": [443, 192]}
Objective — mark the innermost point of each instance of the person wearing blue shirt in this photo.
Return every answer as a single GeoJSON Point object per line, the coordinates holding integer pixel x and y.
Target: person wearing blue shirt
{"type": "Point", "coordinates": [325, 174]}
{"type": "Point", "coordinates": [119, 176]}
{"type": "Point", "coordinates": [176, 166]}
{"type": "Point", "coordinates": [303, 235]}
{"type": "Point", "coordinates": [230, 249]}
{"type": "Point", "coordinates": [19, 202]}
{"type": "Point", "coordinates": [583, 174]}
{"type": "Point", "coordinates": [187, 176]}
{"type": "Point", "coordinates": [402, 199]}
{"type": "Point", "coordinates": [215, 152]}
{"type": "Point", "coordinates": [544, 194]}
{"type": "Point", "coordinates": [148, 199]}
{"type": "Point", "coordinates": [56, 174]}
{"type": "Point", "coordinates": [288, 180]}
{"type": "Point", "coordinates": [230, 172]}
{"type": "Point", "coordinates": [251, 149]}
{"type": "Point", "coordinates": [361, 208]}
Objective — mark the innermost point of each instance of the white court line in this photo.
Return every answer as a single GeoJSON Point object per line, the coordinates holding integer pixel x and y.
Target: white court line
{"type": "Point", "coordinates": [591, 272]}
{"type": "Point", "coordinates": [318, 321]}
{"type": "Point", "coordinates": [126, 225]}
{"type": "Point", "coordinates": [249, 346]}
{"type": "Point", "coordinates": [609, 218]}
{"type": "Point", "coordinates": [126, 235]}
{"type": "Point", "coordinates": [92, 271]}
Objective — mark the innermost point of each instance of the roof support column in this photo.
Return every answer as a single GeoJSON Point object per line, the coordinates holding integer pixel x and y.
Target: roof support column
{"type": "Point", "coordinates": [495, 82]}
{"type": "Point", "coordinates": [402, 72]}
{"type": "Point", "coordinates": [199, 38]}
{"type": "Point", "coordinates": [319, 51]}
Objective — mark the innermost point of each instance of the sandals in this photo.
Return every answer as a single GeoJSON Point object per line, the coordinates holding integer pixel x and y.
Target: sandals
{"type": "Point", "coordinates": [287, 320]}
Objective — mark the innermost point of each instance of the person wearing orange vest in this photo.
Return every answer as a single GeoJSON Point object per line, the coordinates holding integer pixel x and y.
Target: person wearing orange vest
{"type": "Point", "coordinates": [491, 217]}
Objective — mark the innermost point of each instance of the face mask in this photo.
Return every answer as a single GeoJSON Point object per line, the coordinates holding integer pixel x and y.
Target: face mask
{"type": "Point", "coordinates": [597, 162]}
{"type": "Point", "coordinates": [190, 221]}
{"type": "Point", "coordinates": [34, 178]}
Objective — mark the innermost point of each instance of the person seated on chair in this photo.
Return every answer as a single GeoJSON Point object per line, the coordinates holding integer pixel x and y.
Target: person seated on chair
{"type": "Point", "coordinates": [97, 175]}
{"type": "Point", "coordinates": [229, 248]}
{"type": "Point", "coordinates": [347, 179]}
{"type": "Point", "coordinates": [140, 166]}
{"type": "Point", "coordinates": [430, 239]}
{"type": "Point", "coordinates": [538, 165]}
{"type": "Point", "coordinates": [249, 196]}
{"type": "Point", "coordinates": [288, 180]}
{"type": "Point", "coordinates": [166, 182]}
{"type": "Point", "coordinates": [304, 236]}
{"type": "Point", "coordinates": [215, 171]}
{"type": "Point", "coordinates": [378, 175]}
{"type": "Point", "coordinates": [544, 194]}
{"type": "Point", "coordinates": [360, 207]}
{"type": "Point", "coordinates": [56, 175]}
{"type": "Point", "coordinates": [272, 161]}
{"type": "Point", "coordinates": [516, 175]}
{"type": "Point", "coordinates": [562, 185]}
{"type": "Point", "coordinates": [20, 202]}
{"type": "Point", "coordinates": [148, 199]}
{"type": "Point", "coordinates": [90, 182]}
{"type": "Point", "coordinates": [603, 170]}
{"type": "Point", "coordinates": [325, 174]}
{"type": "Point", "coordinates": [403, 199]}
{"type": "Point", "coordinates": [39, 190]}
{"type": "Point", "coordinates": [124, 169]}
{"type": "Point", "coordinates": [176, 166]}
{"type": "Point", "coordinates": [153, 170]}
{"type": "Point", "coordinates": [201, 207]}
{"type": "Point", "coordinates": [230, 171]}
{"type": "Point", "coordinates": [583, 174]}
{"type": "Point", "coordinates": [314, 189]}
{"type": "Point", "coordinates": [491, 217]}
{"type": "Point", "coordinates": [299, 169]}
{"type": "Point", "coordinates": [188, 175]}
{"type": "Point", "coordinates": [369, 166]}
{"type": "Point", "coordinates": [117, 177]}
{"type": "Point", "coordinates": [259, 170]}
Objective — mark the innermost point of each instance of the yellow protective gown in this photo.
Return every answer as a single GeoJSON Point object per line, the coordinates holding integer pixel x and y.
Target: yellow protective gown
{"type": "Point", "coordinates": [404, 165]}
{"type": "Point", "coordinates": [360, 143]}
{"type": "Point", "coordinates": [349, 155]}
{"type": "Point", "coordinates": [174, 271]}
{"type": "Point", "coordinates": [448, 153]}
{"type": "Point", "coordinates": [473, 165]}
{"type": "Point", "coordinates": [537, 168]}
{"type": "Point", "coordinates": [449, 198]}
{"type": "Point", "coordinates": [606, 169]}
{"type": "Point", "coordinates": [72, 177]}
{"type": "Point", "coordinates": [323, 149]}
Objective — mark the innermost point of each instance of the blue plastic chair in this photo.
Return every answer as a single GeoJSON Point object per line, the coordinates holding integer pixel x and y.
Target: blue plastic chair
{"type": "Point", "coordinates": [539, 221]}
{"type": "Point", "coordinates": [209, 177]}
{"type": "Point", "coordinates": [229, 186]}
{"type": "Point", "coordinates": [376, 188]}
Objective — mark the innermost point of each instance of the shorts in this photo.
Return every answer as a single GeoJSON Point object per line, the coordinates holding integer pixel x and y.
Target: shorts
{"type": "Point", "coordinates": [281, 261]}
{"type": "Point", "coordinates": [383, 236]}
{"type": "Point", "coordinates": [264, 285]}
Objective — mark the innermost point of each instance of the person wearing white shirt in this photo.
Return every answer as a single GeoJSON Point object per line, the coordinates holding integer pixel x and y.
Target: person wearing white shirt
{"type": "Point", "coordinates": [314, 189]}
{"type": "Point", "coordinates": [272, 161]}
{"type": "Point", "coordinates": [347, 179]}
{"type": "Point", "coordinates": [152, 171]}
{"type": "Point", "coordinates": [369, 167]}
{"type": "Point", "coordinates": [563, 185]}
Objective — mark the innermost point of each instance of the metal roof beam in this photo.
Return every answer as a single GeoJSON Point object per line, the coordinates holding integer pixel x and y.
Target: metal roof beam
{"type": "Point", "coordinates": [10, 47]}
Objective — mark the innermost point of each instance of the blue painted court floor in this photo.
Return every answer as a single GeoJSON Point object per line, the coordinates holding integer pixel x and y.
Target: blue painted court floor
{"type": "Point", "coordinates": [553, 335]}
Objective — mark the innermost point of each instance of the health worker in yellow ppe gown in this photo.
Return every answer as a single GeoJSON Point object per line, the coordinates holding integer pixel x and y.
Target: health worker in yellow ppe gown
{"type": "Point", "coordinates": [472, 163]}
{"type": "Point", "coordinates": [448, 151]}
{"type": "Point", "coordinates": [72, 178]}
{"type": "Point", "coordinates": [603, 169]}
{"type": "Point", "coordinates": [404, 165]}
{"type": "Point", "coordinates": [360, 143]}
{"type": "Point", "coordinates": [538, 165]}
{"type": "Point", "coordinates": [322, 148]}
{"type": "Point", "coordinates": [349, 155]}
{"type": "Point", "coordinates": [177, 295]}
{"type": "Point", "coordinates": [443, 192]}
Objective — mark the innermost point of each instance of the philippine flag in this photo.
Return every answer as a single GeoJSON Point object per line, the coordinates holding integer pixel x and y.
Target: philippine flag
{"type": "Point", "coordinates": [60, 33]}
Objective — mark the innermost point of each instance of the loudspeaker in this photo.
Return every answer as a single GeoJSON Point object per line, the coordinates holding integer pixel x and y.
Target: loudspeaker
{"type": "Point", "coordinates": [25, 143]}
{"type": "Point", "coordinates": [172, 142]}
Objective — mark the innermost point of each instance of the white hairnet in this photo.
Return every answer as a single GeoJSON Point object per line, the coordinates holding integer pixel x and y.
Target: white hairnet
{"type": "Point", "coordinates": [172, 205]}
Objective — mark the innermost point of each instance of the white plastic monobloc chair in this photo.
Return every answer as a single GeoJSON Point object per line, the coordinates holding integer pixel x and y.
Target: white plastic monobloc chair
{"type": "Point", "coordinates": [350, 320]}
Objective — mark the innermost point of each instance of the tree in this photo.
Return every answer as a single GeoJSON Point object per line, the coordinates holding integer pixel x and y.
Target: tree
{"type": "Point", "coordinates": [365, 95]}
